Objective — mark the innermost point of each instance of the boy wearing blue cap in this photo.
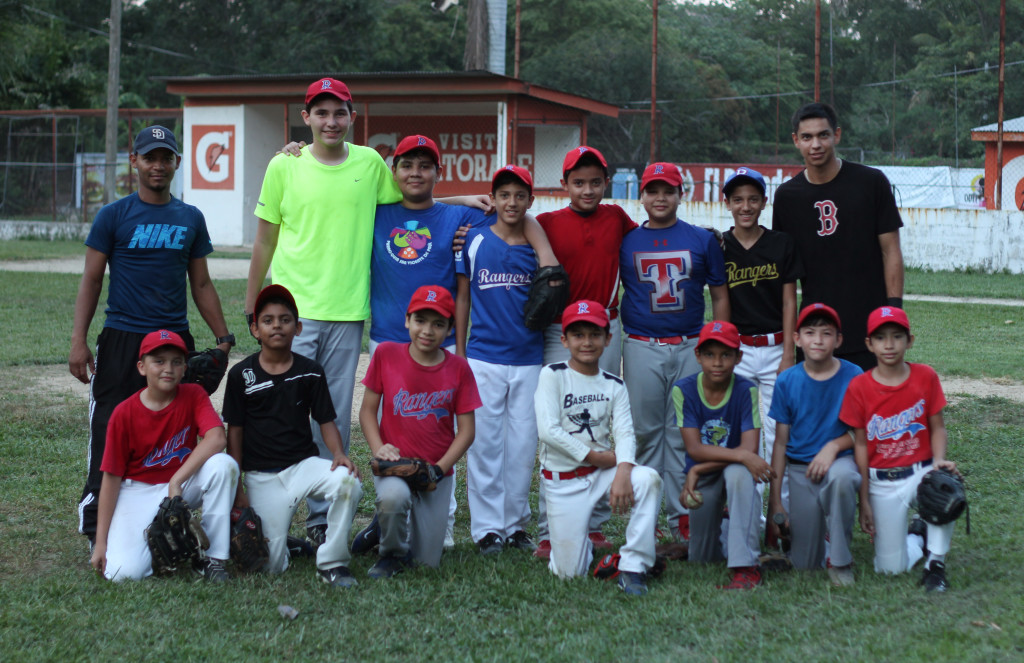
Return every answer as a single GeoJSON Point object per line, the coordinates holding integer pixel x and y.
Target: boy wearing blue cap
{"type": "Point", "coordinates": [762, 268]}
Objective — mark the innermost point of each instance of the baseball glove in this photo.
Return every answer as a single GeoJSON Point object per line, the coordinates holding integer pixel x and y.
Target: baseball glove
{"type": "Point", "coordinates": [548, 297]}
{"type": "Point", "coordinates": [249, 551]}
{"type": "Point", "coordinates": [418, 473]}
{"type": "Point", "coordinates": [174, 536]}
{"type": "Point", "coordinates": [941, 497]}
{"type": "Point", "coordinates": [206, 368]}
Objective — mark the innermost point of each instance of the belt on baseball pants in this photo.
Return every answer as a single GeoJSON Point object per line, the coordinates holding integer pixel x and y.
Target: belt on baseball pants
{"type": "Point", "coordinates": [897, 473]}
{"type": "Point", "coordinates": [664, 340]}
{"type": "Point", "coordinates": [762, 340]}
{"type": "Point", "coordinates": [581, 471]}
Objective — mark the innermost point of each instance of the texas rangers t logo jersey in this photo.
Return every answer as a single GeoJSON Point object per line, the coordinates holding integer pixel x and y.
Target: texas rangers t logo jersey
{"type": "Point", "coordinates": [665, 271]}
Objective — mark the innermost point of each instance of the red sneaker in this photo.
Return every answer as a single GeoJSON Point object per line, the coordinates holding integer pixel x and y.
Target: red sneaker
{"type": "Point", "coordinates": [543, 550]}
{"type": "Point", "coordinates": [684, 527]}
{"type": "Point", "coordinates": [599, 542]}
{"type": "Point", "coordinates": [744, 577]}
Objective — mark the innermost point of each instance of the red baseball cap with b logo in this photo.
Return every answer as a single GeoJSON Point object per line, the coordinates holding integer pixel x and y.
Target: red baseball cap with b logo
{"type": "Point", "coordinates": [411, 143]}
{"type": "Point", "coordinates": [158, 339]}
{"type": "Point", "coordinates": [521, 174]}
{"type": "Point", "coordinates": [721, 331]}
{"type": "Point", "coordinates": [434, 298]}
{"type": "Point", "coordinates": [883, 315]}
{"type": "Point", "coordinates": [331, 86]}
{"type": "Point", "coordinates": [661, 172]}
{"type": "Point", "coordinates": [585, 310]}
{"type": "Point", "coordinates": [575, 154]}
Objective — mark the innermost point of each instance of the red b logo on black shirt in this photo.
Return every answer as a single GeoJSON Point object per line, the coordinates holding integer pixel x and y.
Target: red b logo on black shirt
{"type": "Point", "coordinates": [827, 217]}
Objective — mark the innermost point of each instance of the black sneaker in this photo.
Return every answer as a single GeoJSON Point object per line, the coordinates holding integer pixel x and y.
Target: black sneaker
{"type": "Point", "coordinates": [211, 569]}
{"type": "Point", "coordinates": [339, 576]}
{"type": "Point", "coordinates": [389, 566]}
{"type": "Point", "coordinates": [521, 541]}
{"type": "Point", "coordinates": [367, 539]}
{"type": "Point", "coordinates": [491, 544]}
{"type": "Point", "coordinates": [316, 535]}
{"type": "Point", "coordinates": [299, 547]}
{"type": "Point", "coordinates": [934, 579]}
{"type": "Point", "coordinates": [920, 528]}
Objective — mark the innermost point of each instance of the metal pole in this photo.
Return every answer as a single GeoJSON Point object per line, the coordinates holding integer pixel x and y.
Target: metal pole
{"type": "Point", "coordinates": [817, 50]}
{"type": "Point", "coordinates": [113, 97]}
{"type": "Point", "coordinates": [53, 159]}
{"type": "Point", "coordinates": [956, 117]}
{"type": "Point", "coordinates": [519, 12]}
{"type": "Point", "coordinates": [999, 120]}
{"type": "Point", "coordinates": [654, 83]}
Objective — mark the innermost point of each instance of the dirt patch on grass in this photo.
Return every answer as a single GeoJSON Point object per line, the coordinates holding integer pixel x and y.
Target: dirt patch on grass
{"type": "Point", "coordinates": [57, 381]}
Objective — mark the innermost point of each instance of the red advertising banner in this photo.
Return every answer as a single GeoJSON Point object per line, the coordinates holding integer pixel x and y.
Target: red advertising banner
{"type": "Point", "coordinates": [213, 156]}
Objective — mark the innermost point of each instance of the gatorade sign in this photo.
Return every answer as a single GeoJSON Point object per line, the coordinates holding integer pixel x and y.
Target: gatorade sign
{"type": "Point", "coordinates": [213, 157]}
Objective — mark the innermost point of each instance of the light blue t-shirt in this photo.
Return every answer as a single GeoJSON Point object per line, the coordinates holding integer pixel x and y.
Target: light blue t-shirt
{"type": "Point", "coordinates": [811, 408]}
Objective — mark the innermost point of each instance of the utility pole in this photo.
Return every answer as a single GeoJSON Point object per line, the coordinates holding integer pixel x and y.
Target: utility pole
{"type": "Point", "coordinates": [654, 85]}
{"type": "Point", "coordinates": [113, 98]}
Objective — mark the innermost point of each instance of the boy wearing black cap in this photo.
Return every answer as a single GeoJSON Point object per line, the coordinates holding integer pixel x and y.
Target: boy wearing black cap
{"type": "Point", "coordinates": [151, 241]}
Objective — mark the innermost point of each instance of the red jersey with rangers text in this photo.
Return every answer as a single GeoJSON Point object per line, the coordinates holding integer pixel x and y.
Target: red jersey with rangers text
{"type": "Point", "coordinates": [895, 418]}
{"type": "Point", "coordinates": [149, 446]}
{"type": "Point", "coordinates": [587, 245]}
{"type": "Point", "coordinates": [420, 403]}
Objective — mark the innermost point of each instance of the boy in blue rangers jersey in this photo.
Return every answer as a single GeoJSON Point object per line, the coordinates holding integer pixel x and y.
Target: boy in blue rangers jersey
{"type": "Point", "coordinates": [151, 241]}
{"type": "Point", "coordinates": [814, 449]}
{"type": "Point", "coordinates": [494, 275]}
{"type": "Point", "coordinates": [719, 420]}
{"type": "Point", "coordinates": [665, 264]}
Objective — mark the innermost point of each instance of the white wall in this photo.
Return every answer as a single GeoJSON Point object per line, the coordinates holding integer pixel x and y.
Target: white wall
{"type": "Point", "coordinates": [946, 239]}
{"type": "Point", "coordinates": [264, 136]}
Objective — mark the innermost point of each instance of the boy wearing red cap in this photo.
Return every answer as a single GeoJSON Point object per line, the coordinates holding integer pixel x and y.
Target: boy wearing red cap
{"type": "Point", "coordinates": [425, 391]}
{"type": "Point", "coordinates": [586, 237]}
{"type": "Point", "coordinates": [152, 452]}
{"type": "Point", "coordinates": [719, 419]}
{"type": "Point", "coordinates": [269, 400]}
{"type": "Point", "coordinates": [495, 270]}
{"type": "Point", "coordinates": [665, 265]}
{"type": "Point", "coordinates": [896, 411]}
{"type": "Point", "coordinates": [579, 408]}
{"type": "Point", "coordinates": [813, 450]}
{"type": "Point", "coordinates": [316, 225]}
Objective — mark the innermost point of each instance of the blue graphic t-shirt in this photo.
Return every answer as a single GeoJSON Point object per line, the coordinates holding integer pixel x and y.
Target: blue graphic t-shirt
{"type": "Point", "coordinates": [722, 424]}
{"type": "Point", "coordinates": [412, 248]}
{"type": "Point", "coordinates": [148, 248]}
{"type": "Point", "coordinates": [499, 276]}
{"type": "Point", "coordinates": [664, 271]}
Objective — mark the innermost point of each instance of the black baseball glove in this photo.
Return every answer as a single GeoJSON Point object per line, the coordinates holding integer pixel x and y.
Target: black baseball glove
{"type": "Point", "coordinates": [249, 551]}
{"type": "Point", "coordinates": [418, 473]}
{"type": "Point", "coordinates": [174, 536]}
{"type": "Point", "coordinates": [548, 297]}
{"type": "Point", "coordinates": [941, 497]}
{"type": "Point", "coordinates": [206, 368]}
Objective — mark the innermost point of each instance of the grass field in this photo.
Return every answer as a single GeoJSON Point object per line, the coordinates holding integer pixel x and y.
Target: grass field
{"type": "Point", "coordinates": [52, 607]}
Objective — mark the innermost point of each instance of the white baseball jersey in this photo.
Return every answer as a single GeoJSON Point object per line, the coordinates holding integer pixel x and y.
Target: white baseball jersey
{"type": "Point", "coordinates": [577, 413]}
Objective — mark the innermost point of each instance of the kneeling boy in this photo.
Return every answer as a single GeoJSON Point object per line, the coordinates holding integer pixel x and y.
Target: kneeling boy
{"type": "Point", "coordinates": [426, 390]}
{"type": "Point", "coordinates": [814, 449]}
{"type": "Point", "coordinates": [268, 401]}
{"type": "Point", "coordinates": [578, 405]}
{"type": "Point", "coordinates": [719, 418]}
{"type": "Point", "coordinates": [152, 452]}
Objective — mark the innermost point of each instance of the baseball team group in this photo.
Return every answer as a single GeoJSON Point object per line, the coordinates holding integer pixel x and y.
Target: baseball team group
{"type": "Point", "coordinates": [632, 406]}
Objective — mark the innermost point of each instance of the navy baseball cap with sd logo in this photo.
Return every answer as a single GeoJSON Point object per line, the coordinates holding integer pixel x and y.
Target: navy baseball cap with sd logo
{"type": "Point", "coordinates": [155, 137]}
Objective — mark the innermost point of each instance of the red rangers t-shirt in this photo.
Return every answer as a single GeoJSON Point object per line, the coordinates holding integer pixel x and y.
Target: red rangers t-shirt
{"type": "Point", "coordinates": [420, 403]}
{"type": "Point", "coordinates": [587, 245]}
{"type": "Point", "coordinates": [149, 446]}
{"type": "Point", "coordinates": [895, 418]}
